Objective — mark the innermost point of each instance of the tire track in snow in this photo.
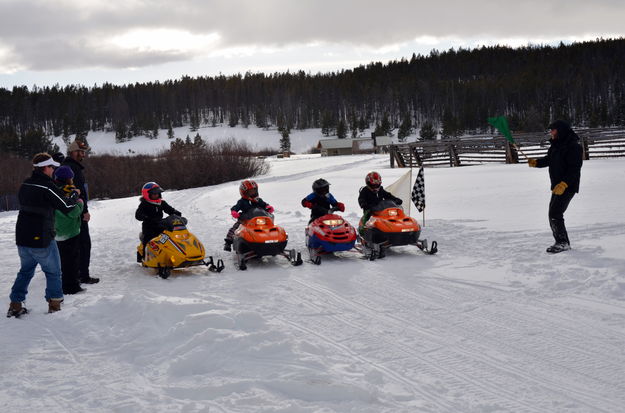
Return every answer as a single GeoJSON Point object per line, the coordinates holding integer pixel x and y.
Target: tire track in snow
{"type": "Point", "coordinates": [468, 356]}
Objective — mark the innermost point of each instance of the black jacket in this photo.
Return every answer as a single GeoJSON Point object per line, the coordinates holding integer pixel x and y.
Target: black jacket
{"type": "Point", "coordinates": [243, 205]}
{"type": "Point", "coordinates": [39, 197]}
{"type": "Point", "coordinates": [151, 215]}
{"type": "Point", "coordinates": [368, 199]}
{"type": "Point", "coordinates": [79, 180]}
{"type": "Point", "coordinates": [564, 159]}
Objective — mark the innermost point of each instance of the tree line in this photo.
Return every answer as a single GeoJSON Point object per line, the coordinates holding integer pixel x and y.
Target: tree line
{"type": "Point", "coordinates": [452, 92]}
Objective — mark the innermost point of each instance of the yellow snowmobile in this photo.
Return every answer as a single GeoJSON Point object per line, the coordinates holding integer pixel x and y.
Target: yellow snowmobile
{"type": "Point", "coordinates": [175, 247]}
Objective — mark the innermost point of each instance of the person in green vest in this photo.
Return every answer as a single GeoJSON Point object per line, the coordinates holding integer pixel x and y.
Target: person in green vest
{"type": "Point", "coordinates": [67, 228]}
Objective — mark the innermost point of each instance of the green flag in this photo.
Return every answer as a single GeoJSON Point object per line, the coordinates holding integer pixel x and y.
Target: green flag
{"type": "Point", "coordinates": [501, 124]}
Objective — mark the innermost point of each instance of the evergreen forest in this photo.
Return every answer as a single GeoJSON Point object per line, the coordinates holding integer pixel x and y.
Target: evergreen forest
{"type": "Point", "coordinates": [452, 92]}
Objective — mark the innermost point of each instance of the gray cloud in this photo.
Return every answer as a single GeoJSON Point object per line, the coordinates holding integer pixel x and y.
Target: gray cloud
{"type": "Point", "coordinates": [42, 35]}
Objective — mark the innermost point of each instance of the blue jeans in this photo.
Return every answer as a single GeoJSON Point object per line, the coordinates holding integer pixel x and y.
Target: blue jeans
{"type": "Point", "coordinates": [50, 262]}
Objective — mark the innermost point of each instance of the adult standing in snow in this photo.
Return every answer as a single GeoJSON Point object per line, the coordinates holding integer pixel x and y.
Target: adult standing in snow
{"type": "Point", "coordinates": [34, 234]}
{"type": "Point", "coordinates": [564, 159]}
{"type": "Point", "coordinates": [76, 152]}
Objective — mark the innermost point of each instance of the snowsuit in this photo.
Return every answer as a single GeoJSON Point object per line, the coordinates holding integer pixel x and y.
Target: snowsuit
{"type": "Point", "coordinates": [367, 199]}
{"type": "Point", "coordinates": [321, 204]}
{"type": "Point", "coordinates": [68, 241]}
{"type": "Point", "coordinates": [564, 159]}
{"type": "Point", "coordinates": [151, 215]}
{"type": "Point", "coordinates": [85, 237]}
{"type": "Point", "coordinates": [242, 206]}
{"type": "Point", "coordinates": [34, 234]}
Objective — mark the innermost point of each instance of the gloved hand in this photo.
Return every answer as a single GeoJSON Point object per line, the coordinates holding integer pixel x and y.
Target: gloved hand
{"type": "Point", "coordinates": [559, 189]}
{"type": "Point", "coordinates": [340, 206]}
{"type": "Point", "coordinates": [269, 209]}
{"type": "Point", "coordinates": [307, 204]}
{"type": "Point", "coordinates": [235, 214]}
{"type": "Point", "coordinates": [532, 162]}
{"type": "Point", "coordinates": [398, 201]}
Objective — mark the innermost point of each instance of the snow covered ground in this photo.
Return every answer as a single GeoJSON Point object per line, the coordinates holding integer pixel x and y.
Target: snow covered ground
{"type": "Point", "coordinates": [490, 324]}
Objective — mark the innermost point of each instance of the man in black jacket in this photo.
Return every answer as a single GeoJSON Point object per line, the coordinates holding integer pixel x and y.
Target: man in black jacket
{"type": "Point", "coordinates": [34, 234]}
{"type": "Point", "coordinates": [76, 152]}
{"type": "Point", "coordinates": [564, 159]}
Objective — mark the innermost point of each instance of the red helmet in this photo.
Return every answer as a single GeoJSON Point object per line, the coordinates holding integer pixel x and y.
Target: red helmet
{"type": "Point", "coordinates": [151, 192]}
{"type": "Point", "coordinates": [249, 190]}
{"type": "Point", "coordinates": [373, 180]}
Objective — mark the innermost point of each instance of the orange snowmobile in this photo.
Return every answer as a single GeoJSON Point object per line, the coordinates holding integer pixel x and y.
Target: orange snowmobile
{"type": "Point", "coordinates": [175, 247]}
{"type": "Point", "coordinates": [389, 226]}
{"type": "Point", "coordinates": [258, 236]}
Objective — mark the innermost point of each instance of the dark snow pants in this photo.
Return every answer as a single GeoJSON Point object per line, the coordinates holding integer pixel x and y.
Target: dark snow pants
{"type": "Point", "coordinates": [557, 207]}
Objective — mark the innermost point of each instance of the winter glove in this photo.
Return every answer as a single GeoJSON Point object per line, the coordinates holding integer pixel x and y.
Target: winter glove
{"type": "Point", "coordinates": [307, 204]}
{"type": "Point", "coordinates": [532, 162]}
{"type": "Point", "coordinates": [559, 189]}
{"type": "Point", "coordinates": [398, 201]}
{"type": "Point", "coordinates": [235, 214]}
{"type": "Point", "coordinates": [269, 209]}
{"type": "Point", "coordinates": [340, 206]}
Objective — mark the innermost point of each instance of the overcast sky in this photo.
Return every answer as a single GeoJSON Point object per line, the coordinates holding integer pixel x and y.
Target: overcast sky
{"type": "Point", "coordinates": [43, 42]}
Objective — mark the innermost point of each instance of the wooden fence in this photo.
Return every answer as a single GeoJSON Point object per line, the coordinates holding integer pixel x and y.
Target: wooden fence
{"type": "Point", "coordinates": [597, 143]}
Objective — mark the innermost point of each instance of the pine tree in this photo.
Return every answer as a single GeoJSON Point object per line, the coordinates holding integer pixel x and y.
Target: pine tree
{"type": "Point", "coordinates": [170, 132]}
{"type": "Point", "coordinates": [341, 130]}
{"type": "Point", "coordinates": [405, 129]}
{"type": "Point", "coordinates": [427, 131]}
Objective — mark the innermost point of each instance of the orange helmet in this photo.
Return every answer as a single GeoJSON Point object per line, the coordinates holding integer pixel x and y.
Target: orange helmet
{"type": "Point", "coordinates": [249, 190]}
{"type": "Point", "coordinates": [373, 180]}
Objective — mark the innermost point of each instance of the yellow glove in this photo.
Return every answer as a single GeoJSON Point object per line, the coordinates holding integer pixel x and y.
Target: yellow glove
{"type": "Point", "coordinates": [559, 189]}
{"type": "Point", "coordinates": [68, 189]}
{"type": "Point", "coordinates": [531, 162]}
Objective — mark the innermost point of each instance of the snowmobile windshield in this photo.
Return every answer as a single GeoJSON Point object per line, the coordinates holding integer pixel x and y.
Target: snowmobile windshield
{"type": "Point", "coordinates": [253, 213]}
{"type": "Point", "coordinates": [384, 204]}
{"type": "Point", "coordinates": [174, 223]}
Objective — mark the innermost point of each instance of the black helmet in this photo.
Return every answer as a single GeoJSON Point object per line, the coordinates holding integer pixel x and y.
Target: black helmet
{"type": "Point", "coordinates": [321, 186]}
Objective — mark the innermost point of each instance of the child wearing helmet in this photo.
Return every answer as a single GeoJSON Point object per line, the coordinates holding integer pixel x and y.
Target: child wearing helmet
{"type": "Point", "coordinates": [370, 195]}
{"type": "Point", "coordinates": [150, 211]}
{"type": "Point", "coordinates": [321, 200]}
{"type": "Point", "coordinates": [249, 200]}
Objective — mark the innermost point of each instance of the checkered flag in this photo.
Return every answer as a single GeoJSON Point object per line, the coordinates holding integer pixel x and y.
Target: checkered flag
{"type": "Point", "coordinates": [418, 191]}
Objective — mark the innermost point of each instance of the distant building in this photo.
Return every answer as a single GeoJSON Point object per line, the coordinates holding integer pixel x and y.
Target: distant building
{"type": "Point", "coordinates": [333, 147]}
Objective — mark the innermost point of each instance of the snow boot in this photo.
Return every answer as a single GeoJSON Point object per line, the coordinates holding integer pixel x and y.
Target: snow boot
{"type": "Point", "coordinates": [227, 245]}
{"type": "Point", "coordinates": [16, 310]}
{"type": "Point", "coordinates": [558, 247]}
{"type": "Point", "coordinates": [90, 280]}
{"type": "Point", "coordinates": [54, 305]}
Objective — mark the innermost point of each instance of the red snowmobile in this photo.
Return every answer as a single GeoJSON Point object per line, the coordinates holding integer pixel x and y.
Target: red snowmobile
{"type": "Point", "coordinates": [328, 234]}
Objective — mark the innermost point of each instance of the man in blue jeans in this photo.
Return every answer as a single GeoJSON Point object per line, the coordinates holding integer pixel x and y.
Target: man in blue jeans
{"type": "Point", "coordinates": [34, 234]}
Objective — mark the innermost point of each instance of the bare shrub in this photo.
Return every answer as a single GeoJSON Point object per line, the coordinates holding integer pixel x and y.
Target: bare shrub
{"type": "Point", "coordinates": [111, 176]}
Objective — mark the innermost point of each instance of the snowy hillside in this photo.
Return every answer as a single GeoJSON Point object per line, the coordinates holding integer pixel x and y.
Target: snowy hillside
{"type": "Point", "coordinates": [490, 324]}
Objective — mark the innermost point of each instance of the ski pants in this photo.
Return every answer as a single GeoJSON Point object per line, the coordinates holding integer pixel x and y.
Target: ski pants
{"type": "Point", "coordinates": [69, 250]}
{"type": "Point", "coordinates": [85, 250]}
{"type": "Point", "coordinates": [557, 207]}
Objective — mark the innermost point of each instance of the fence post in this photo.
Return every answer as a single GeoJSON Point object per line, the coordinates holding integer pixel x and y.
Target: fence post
{"type": "Point", "coordinates": [585, 147]}
{"type": "Point", "coordinates": [454, 160]}
{"type": "Point", "coordinates": [511, 155]}
{"type": "Point", "coordinates": [392, 153]}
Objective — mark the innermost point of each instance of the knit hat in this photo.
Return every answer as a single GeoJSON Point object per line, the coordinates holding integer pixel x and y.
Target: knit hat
{"type": "Point", "coordinates": [59, 157]}
{"type": "Point", "coordinates": [78, 146]}
{"type": "Point", "coordinates": [63, 173]}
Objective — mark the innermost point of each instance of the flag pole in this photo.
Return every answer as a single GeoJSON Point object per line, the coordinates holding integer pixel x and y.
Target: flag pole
{"type": "Point", "coordinates": [515, 146]}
